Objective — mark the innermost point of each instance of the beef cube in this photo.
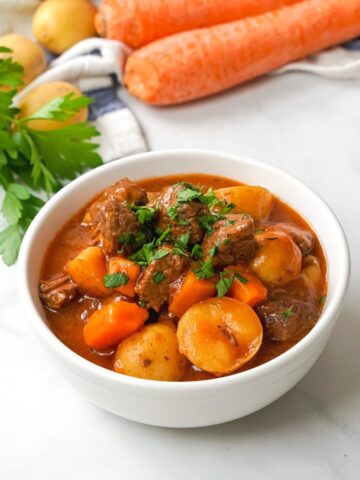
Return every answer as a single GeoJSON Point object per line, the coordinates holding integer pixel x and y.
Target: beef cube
{"type": "Point", "coordinates": [287, 318]}
{"type": "Point", "coordinates": [58, 291]}
{"type": "Point", "coordinates": [232, 241]}
{"type": "Point", "coordinates": [153, 286]}
{"type": "Point", "coordinates": [111, 217]}
{"type": "Point", "coordinates": [183, 217]}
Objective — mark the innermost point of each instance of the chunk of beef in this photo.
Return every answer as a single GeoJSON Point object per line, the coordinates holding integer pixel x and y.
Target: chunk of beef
{"type": "Point", "coordinates": [153, 286]}
{"type": "Point", "coordinates": [232, 240]}
{"type": "Point", "coordinates": [111, 217]}
{"type": "Point", "coordinates": [185, 215]}
{"type": "Point", "coordinates": [287, 318]}
{"type": "Point", "coordinates": [58, 291]}
{"type": "Point", "coordinates": [304, 240]}
{"type": "Point", "coordinates": [125, 191]}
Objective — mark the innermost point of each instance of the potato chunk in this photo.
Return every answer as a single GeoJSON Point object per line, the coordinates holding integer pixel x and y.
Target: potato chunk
{"type": "Point", "coordinates": [152, 354]}
{"type": "Point", "coordinates": [278, 258]}
{"type": "Point", "coordinates": [219, 335]}
{"type": "Point", "coordinates": [256, 201]}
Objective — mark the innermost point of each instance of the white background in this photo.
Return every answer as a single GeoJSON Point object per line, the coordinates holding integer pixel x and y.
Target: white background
{"type": "Point", "coordinates": [309, 127]}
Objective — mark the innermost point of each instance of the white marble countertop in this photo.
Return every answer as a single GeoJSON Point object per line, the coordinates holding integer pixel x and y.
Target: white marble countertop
{"type": "Point", "coordinates": [310, 128]}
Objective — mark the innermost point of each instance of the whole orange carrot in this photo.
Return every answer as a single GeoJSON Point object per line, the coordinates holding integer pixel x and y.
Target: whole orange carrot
{"type": "Point", "coordinates": [138, 22]}
{"type": "Point", "coordinates": [202, 62]}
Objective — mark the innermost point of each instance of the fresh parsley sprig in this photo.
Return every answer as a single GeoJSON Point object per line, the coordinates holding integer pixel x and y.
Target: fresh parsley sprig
{"type": "Point", "coordinates": [35, 164]}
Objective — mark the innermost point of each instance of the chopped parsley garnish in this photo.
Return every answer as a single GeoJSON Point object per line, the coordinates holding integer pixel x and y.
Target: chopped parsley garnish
{"type": "Point", "coordinates": [172, 213]}
{"type": "Point", "coordinates": [113, 280]}
{"type": "Point", "coordinates": [158, 277]}
{"type": "Point", "coordinates": [288, 313]}
{"type": "Point", "coordinates": [206, 222]}
{"type": "Point", "coordinates": [213, 250]}
{"type": "Point", "coordinates": [226, 241]}
{"type": "Point", "coordinates": [224, 284]}
{"type": "Point", "coordinates": [144, 214]}
{"type": "Point", "coordinates": [161, 253]}
{"type": "Point", "coordinates": [241, 278]}
{"type": "Point", "coordinates": [182, 222]}
{"type": "Point", "coordinates": [134, 239]}
{"type": "Point", "coordinates": [189, 194]}
{"type": "Point", "coordinates": [145, 255]}
{"type": "Point", "coordinates": [323, 299]}
{"type": "Point", "coordinates": [163, 236]}
{"type": "Point", "coordinates": [180, 247]}
{"type": "Point", "coordinates": [142, 304]}
{"type": "Point", "coordinates": [197, 252]}
{"type": "Point", "coordinates": [206, 270]}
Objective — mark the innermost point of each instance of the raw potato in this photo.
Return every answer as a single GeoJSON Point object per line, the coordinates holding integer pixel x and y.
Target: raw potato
{"type": "Point", "coordinates": [88, 269]}
{"type": "Point", "coordinates": [219, 335]}
{"type": "Point", "coordinates": [41, 95]}
{"type": "Point", "coordinates": [256, 201]}
{"type": "Point", "coordinates": [152, 354]}
{"type": "Point", "coordinates": [59, 24]}
{"type": "Point", "coordinates": [278, 258]}
{"type": "Point", "coordinates": [26, 52]}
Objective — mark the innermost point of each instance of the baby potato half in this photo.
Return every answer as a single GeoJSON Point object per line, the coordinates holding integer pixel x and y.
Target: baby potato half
{"type": "Point", "coordinates": [152, 354]}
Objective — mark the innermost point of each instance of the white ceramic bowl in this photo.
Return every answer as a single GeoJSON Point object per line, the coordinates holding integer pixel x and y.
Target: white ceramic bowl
{"type": "Point", "coordinates": [185, 404]}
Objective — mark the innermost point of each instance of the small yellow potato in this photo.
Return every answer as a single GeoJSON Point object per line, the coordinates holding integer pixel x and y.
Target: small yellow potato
{"type": "Point", "coordinates": [256, 201]}
{"type": "Point", "coordinates": [278, 258]}
{"type": "Point", "coordinates": [312, 270]}
{"type": "Point", "coordinates": [59, 24]}
{"type": "Point", "coordinates": [43, 94]}
{"type": "Point", "coordinates": [219, 335]}
{"type": "Point", "coordinates": [87, 270]}
{"type": "Point", "coordinates": [25, 52]}
{"type": "Point", "coordinates": [152, 354]}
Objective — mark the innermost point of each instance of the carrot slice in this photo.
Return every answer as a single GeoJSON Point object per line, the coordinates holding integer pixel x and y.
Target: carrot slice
{"type": "Point", "coordinates": [138, 22]}
{"type": "Point", "coordinates": [247, 287]}
{"type": "Point", "coordinates": [131, 269]}
{"type": "Point", "coordinates": [191, 291]}
{"type": "Point", "coordinates": [202, 62]}
{"type": "Point", "coordinates": [112, 323]}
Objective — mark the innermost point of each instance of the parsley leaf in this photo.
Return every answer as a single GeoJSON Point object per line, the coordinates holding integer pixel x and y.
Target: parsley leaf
{"type": "Point", "coordinates": [145, 255]}
{"type": "Point", "coordinates": [241, 278]}
{"type": "Point", "coordinates": [224, 284]}
{"type": "Point", "coordinates": [161, 253]}
{"type": "Point", "coordinates": [158, 277]}
{"type": "Point", "coordinates": [113, 280]}
{"type": "Point", "coordinates": [180, 247]}
{"type": "Point", "coordinates": [288, 313]}
{"type": "Point", "coordinates": [206, 270]}
{"type": "Point", "coordinates": [33, 160]}
{"type": "Point", "coordinates": [59, 108]}
{"type": "Point", "coordinates": [172, 213]}
{"type": "Point", "coordinates": [197, 252]}
{"type": "Point", "coordinates": [164, 235]}
{"type": "Point", "coordinates": [144, 214]}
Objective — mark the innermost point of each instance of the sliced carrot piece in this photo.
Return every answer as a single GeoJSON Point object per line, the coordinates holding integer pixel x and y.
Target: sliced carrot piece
{"type": "Point", "coordinates": [87, 270]}
{"type": "Point", "coordinates": [191, 291]}
{"type": "Point", "coordinates": [131, 269]}
{"type": "Point", "coordinates": [247, 288]}
{"type": "Point", "coordinates": [113, 322]}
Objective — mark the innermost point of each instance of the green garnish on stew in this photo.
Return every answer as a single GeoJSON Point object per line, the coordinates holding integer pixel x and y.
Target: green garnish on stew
{"type": "Point", "coordinates": [205, 271]}
{"type": "Point", "coordinates": [241, 278]}
{"type": "Point", "coordinates": [144, 214]}
{"type": "Point", "coordinates": [224, 284]}
{"type": "Point", "coordinates": [158, 277]}
{"type": "Point", "coordinates": [288, 313]}
{"type": "Point", "coordinates": [323, 299]}
{"type": "Point", "coordinates": [114, 280]}
{"type": "Point", "coordinates": [172, 213]}
{"type": "Point", "coordinates": [180, 247]}
{"type": "Point", "coordinates": [197, 252]}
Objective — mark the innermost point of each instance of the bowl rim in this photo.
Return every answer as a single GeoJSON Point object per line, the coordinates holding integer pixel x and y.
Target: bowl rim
{"type": "Point", "coordinates": [333, 305]}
